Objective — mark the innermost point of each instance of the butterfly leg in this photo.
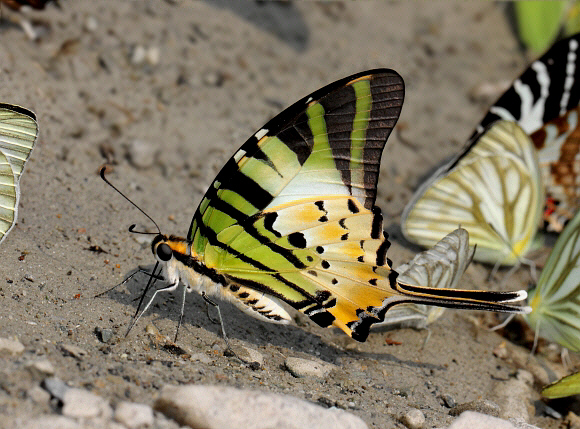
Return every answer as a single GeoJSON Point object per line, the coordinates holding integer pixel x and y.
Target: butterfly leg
{"type": "Point", "coordinates": [181, 314]}
{"type": "Point", "coordinates": [221, 322]}
{"type": "Point", "coordinates": [136, 318]}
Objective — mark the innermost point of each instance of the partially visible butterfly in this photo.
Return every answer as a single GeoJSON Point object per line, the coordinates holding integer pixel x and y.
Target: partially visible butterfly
{"type": "Point", "coordinates": [18, 130]}
{"type": "Point", "coordinates": [439, 267]}
{"type": "Point", "coordinates": [493, 189]}
{"type": "Point", "coordinates": [291, 218]}
{"type": "Point", "coordinates": [555, 300]}
{"type": "Point", "coordinates": [544, 102]}
{"type": "Point", "coordinates": [566, 386]}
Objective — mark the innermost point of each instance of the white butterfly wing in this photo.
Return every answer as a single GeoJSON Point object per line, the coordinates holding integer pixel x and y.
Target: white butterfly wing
{"type": "Point", "coordinates": [439, 267]}
{"type": "Point", "coordinates": [555, 301]}
{"type": "Point", "coordinates": [493, 189]}
{"type": "Point", "coordinates": [18, 130]}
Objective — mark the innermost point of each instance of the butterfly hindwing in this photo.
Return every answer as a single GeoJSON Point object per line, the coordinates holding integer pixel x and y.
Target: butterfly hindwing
{"type": "Point", "coordinates": [439, 267]}
{"type": "Point", "coordinates": [18, 131]}
{"type": "Point", "coordinates": [555, 301]}
{"type": "Point", "coordinates": [493, 189]}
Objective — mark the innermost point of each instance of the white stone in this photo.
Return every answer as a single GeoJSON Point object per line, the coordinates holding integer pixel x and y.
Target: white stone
{"type": "Point", "coordinates": [134, 415]}
{"type": "Point", "coordinates": [414, 419]}
{"type": "Point", "coordinates": [307, 368]}
{"type": "Point", "coordinates": [81, 403]}
{"type": "Point", "coordinates": [41, 369]}
{"type": "Point", "coordinates": [218, 407]}
{"type": "Point", "coordinates": [10, 347]}
{"type": "Point", "coordinates": [473, 420]}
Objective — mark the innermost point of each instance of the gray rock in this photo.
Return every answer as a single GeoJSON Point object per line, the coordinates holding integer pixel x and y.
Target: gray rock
{"type": "Point", "coordinates": [217, 407]}
{"type": "Point", "coordinates": [482, 406]}
{"type": "Point", "coordinates": [134, 415]}
{"type": "Point", "coordinates": [10, 347]}
{"type": "Point", "coordinates": [414, 419]}
{"type": "Point", "coordinates": [307, 368]}
{"type": "Point", "coordinates": [200, 357]}
{"type": "Point", "coordinates": [104, 335]}
{"type": "Point", "coordinates": [56, 387]}
{"type": "Point", "coordinates": [514, 396]}
{"type": "Point", "coordinates": [81, 403]}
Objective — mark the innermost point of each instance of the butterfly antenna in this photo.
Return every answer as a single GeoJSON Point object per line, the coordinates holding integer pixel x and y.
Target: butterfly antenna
{"type": "Point", "coordinates": [131, 228]}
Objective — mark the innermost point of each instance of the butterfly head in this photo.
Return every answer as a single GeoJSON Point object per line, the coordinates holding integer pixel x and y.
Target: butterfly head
{"type": "Point", "coordinates": [164, 248]}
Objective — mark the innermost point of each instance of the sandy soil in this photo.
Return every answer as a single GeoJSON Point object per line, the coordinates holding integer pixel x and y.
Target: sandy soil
{"type": "Point", "coordinates": [213, 73]}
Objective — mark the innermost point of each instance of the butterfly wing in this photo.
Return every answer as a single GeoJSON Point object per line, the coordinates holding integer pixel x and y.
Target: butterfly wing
{"type": "Point", "coordinates": [439, 267]}
{"type": "Point", "coordinates": [544, 102]}
{"type": "Point", "coordinates": [493, 189]}
{"type": "Point", "coordinates": [18, 131]}
{"type": "Point", "coordinates": [555, 301]}
{"type": "Point", "coordinates": [292, 214]}
{"type": "Point", "coordinates": [566, 386]}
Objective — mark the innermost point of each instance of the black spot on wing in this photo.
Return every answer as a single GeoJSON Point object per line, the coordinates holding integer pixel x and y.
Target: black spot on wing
{"type": "Point", "coordinates": [377, 225]}
{"type": "Point", "coordinates": [352, 207]}
{"type": "Point", "coordinates": [269, 219]}
{"type": "Point", "coordinates": [297, 239]}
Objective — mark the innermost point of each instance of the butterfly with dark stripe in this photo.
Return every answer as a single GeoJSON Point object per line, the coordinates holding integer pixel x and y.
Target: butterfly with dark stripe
{"type": "Point", "coordinates": [291, 218]}
{"type": "Point", "coordinates": [544, 101]}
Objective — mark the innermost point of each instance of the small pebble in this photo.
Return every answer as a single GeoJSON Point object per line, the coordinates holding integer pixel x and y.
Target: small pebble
{"type": "Point", "coordinates": [80, 403]}
{"type": "Point", "coordinates": [74, 351]}
{"type": "Point", "coordinates": [29, 277]}
{"type": "Point", "coordinates": [10, 347]}
{"type": "Point", "coordinates": [138, 55]}
{"type": "Point", "coordinates": [448, 400]}
{"type": "Point", "coordinates": [104, 335]}
{"type": "Point", "coordinates": [307, 368]}
{"type": "Point", "coordinates": [482, 406]}
{"type": "Point", "coordinates": [141, 154]}
{"type": "Point", "coordinates": [41, 369]}
{"type": "Point", "coordinates": [91, 24]}
{"type": "Point", "coordinates": [213, 79]}
{"type": "Point", "coordinates": [251, 355]}
{"type": "Point", "coordinates": [200, 357]}
{"type": "Point", "coordinates": [134, 415]}
{"type": "Point", "coordinates": [414, 419]}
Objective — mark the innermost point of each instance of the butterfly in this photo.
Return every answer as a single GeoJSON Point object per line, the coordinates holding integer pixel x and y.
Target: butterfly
{"type": "Point", "coordinates": [18, 131]}
{"type": "Point", "coordinates": [439, 267]}
{"type": "Point", "coordinates": [544, 101]}
{"type": "Point", "coordinates": [555, 301]}
{"type": "Point", "coordinates": [566, 386]}
{"type": "Point", "coordinates": [493, 189]}
{"type": "Point", "coordinates": [291, 218]}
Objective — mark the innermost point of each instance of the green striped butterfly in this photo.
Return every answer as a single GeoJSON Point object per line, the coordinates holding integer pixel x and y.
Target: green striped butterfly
{"type": "Point", "coordinates": [566, 386]}
{"type": "Point", "coordinates": [18, 131]}
{"type": "Point", "coordinates": [291, 218]}
{"type": "Point", "coordinates": [439, 267]}
{"type": "Point", "coordinates": [493, 189]}
{"type": "Point", "coordinates": [555, 301]}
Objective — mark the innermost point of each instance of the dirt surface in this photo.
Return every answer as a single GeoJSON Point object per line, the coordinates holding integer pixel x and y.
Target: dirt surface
{"type": "Point", "coordinates": [166, 92]}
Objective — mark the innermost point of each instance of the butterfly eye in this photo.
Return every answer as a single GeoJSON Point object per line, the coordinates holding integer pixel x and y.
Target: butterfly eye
{"type": "Point", "coordinates": [164, 252]}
